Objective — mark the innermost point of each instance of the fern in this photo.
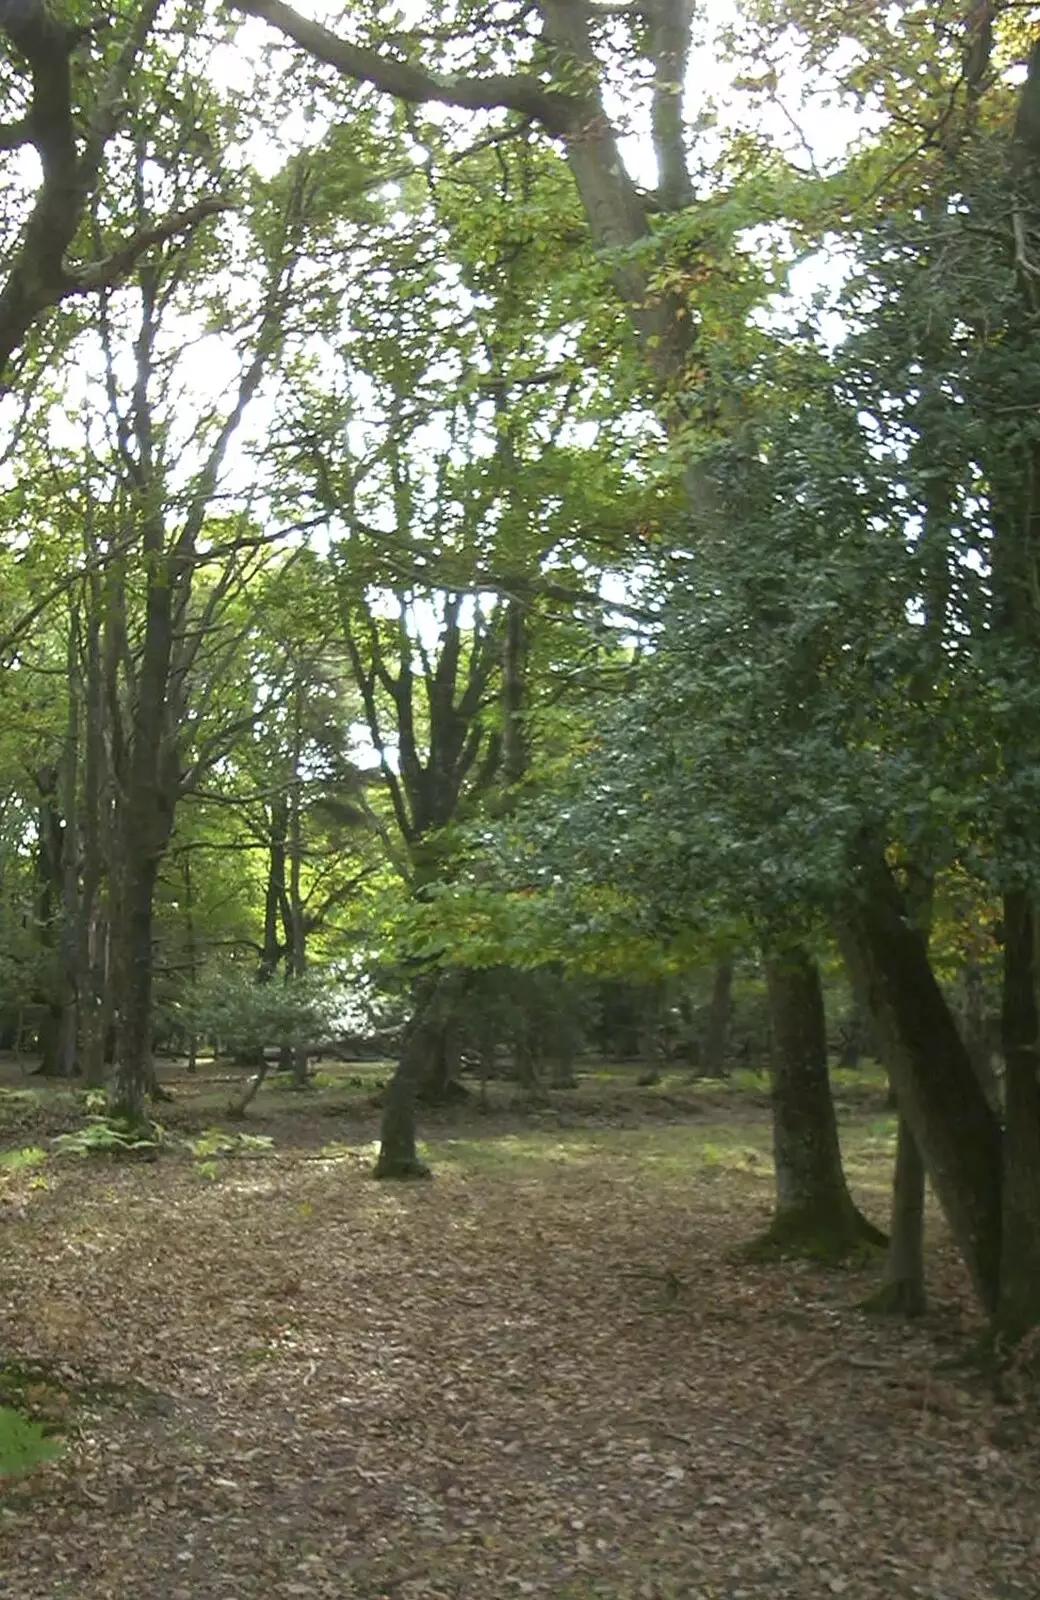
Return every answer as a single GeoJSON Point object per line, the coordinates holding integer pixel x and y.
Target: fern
{"type": "Point", "coordinates": [108, 1136]}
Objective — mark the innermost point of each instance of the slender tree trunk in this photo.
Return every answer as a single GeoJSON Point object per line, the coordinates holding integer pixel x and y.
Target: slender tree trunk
{"type": "Point", "coordinates": [1018, 1309]}
{"type": "Point", "coordinates": [903, 1290]}
{"type": "Point", "coordinates": [95, 920]}
{"type": "Point", "coordinates": [70, 975]}
{"type": "Point", "coordinates": [815, 1215]}
{"type": "Point", "coordinates": [297, 910]}
{"type": "Point", "coordinates": [276, 895]}
{"type": "Point", "coordinates": [938, 1092]}
{"type": "Point", "coordinates": [713, 1049]}
{"type": "Point", "coordinates": [191, 957]}
{"type": "Point", "coordinates": [650, 1042]}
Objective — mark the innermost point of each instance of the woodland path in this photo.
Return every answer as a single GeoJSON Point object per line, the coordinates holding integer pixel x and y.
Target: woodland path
{"type": "Point", "coordinates": [325, 1387]}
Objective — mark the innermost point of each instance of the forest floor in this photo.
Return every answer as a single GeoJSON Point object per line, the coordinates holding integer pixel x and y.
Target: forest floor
{"type": "Point", "coordinates": [547, 1372]}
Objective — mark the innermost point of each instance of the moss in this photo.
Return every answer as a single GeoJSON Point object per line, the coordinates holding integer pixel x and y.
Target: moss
{"type": "Point", "coordinates": [832, 1238]}
{"type": "Point", "coordinates": [398, 1168]}
{"type": "Point", "coordinates": [897, 1298]}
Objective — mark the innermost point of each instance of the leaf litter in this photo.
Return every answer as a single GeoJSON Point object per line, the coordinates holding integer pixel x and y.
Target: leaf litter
{"type": "Point", "coordinates": [547, 1377]}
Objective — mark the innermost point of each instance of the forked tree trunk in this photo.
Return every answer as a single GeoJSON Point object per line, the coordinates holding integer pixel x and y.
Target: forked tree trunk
{"type": "Point", "coordinates": [1018, 1309]}
{"type": "Point", "coordinates": [815, 1215]}
{"type": "Point", "coordinates": [938, 1091]}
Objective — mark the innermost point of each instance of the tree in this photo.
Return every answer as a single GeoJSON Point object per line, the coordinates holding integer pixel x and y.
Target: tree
{"type": "Point", "coordinates": [69, 83]}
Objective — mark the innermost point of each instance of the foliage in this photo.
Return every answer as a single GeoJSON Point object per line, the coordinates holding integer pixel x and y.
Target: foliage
{"type": "Point", "coordinates": [23, 1444]}
{"type": "Point", "coordinates": [110, 1136]}
{"type": "Point", "coordinates": [215, 1142]}
{"type": "Point", "coordinates": [23, 1160]}
{"type": "Point", "coordinates": [230, 1006]}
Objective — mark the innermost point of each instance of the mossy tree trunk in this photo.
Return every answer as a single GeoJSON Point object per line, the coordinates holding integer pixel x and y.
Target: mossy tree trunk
{"type": "Point", "coordinates": [815, 1214]}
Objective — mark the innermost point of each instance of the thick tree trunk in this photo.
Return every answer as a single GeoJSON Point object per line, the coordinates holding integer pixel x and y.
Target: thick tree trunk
{"type": "Point", "coordinates": [398, 1156]}
{"type": "Point", "coordinates": [938, 1092]}
{"type": "Point", "coordinates": [815, 1215]}
{"type": "Point", "coordinates": [713, 1049]}
{"type": "Point", "coordinates": [1018, 1309]}
{"type": "Point", "coordinates": [135, 1069]}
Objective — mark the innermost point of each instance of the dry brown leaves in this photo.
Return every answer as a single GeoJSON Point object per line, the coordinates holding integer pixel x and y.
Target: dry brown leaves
{"type": "Point", "coordinates": [481, 1387]}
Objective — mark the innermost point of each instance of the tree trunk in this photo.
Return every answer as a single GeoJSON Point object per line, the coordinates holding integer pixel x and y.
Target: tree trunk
{"type": "Point", "coordinates": [297, 964]}
{"type": "Point", "coordinates": [939, 1094]}
{"type": "Point", "coordinates": [650, 1042]}
{"type": "Point", "coordinates": [70, 971]}
{"type": "Point", "coordinates": [135, 1069]}
{"type": "Point", "coordinates": [1018, 1309]}
{"type": "Point", "coordinates": [50, 834]}
{"type": "Point", "coordinates": [276, 898]}
{"type": "Point", "coordinates": [95, 989]}
{"type": "Point", "coordinates": [398, 1156]}
{"type": "Point", "coordinates": [903, 1290]}
{"type": "Point", "coordinates": [191, 957]}
{"type": "Point", "coordinates": [713, 1049]}
{"type": "Point", "coordinates": [815, 1215]}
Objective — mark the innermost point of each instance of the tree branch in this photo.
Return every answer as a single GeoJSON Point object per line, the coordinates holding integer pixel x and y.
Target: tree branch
{"type": "Point", "coordinates": [670, 49]}
{"type": "Point", "coordinates": [105, 274]}
{"type": "Point", "coordinates": [404, 81]}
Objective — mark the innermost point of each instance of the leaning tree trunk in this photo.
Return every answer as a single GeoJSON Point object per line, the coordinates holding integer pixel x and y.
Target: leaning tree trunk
{"type": "Point", "coordinates": [1018, 1309]}
{"type": "Point", "coordinates": [938, 1091]}
{"type": "Point", "coordinates": [815, 1215]}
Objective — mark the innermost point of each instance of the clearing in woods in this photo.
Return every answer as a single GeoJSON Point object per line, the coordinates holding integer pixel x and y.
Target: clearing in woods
{"type": "Point", "coordinates": [545, 1373]}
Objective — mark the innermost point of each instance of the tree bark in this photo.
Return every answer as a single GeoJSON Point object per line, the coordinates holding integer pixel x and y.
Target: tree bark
{"type": "Point", "coordinates": [815, 1215]}
{"type": "Point", "coordinates": [71, 973]}
{"type": "Point", "coordinates": [938, 1092]}
{"type": "Point", "coordinates": [1018, 1308]}
{"type": "Point", "coordinates": [713, 1049]}
{"type": "Point", "coordinates": [650, 1042]}
{"type": "Point", "coordinates": [49, 876]}
{"type": "Point", "coordinates": [398, 1156]}
{"type": "Point", "coordinates": [135, 1068]}
{"type": "Point", "coordinates": [903, 1290]}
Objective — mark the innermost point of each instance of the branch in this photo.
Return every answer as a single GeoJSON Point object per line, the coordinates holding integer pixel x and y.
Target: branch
{"type": "Point", "coordinates": [670, 48]}
{"type": "Point", "coordinates": [105, 274]}
{"type": "Point", "coordinates": [521, 92]}
{"type": "Point", "coordinates": [14, 134]}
